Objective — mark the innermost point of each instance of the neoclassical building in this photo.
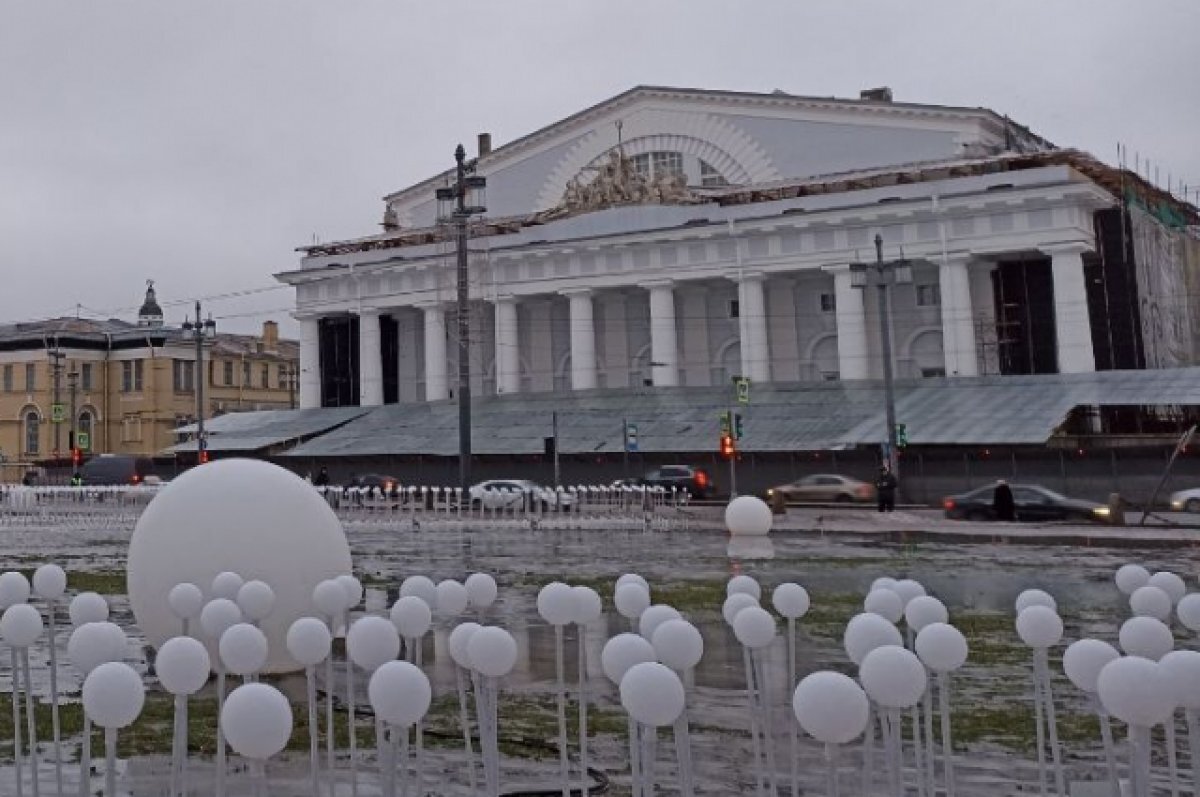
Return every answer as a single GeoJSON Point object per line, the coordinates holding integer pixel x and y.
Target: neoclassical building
{"type": "Point", "coordinates": [680, 237]}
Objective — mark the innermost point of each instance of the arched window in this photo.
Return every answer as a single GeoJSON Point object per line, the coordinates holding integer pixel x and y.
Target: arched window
{"type": "Point", "coordinates": [83, 429]}
{"type": "Point", "coordinates": [33, 424]}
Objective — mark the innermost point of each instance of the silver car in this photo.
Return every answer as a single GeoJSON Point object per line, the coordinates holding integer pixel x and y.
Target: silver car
{"type": "Point", "coordinates": [1186, 500]}
{"type": "Point", "coordinates": [517, 493]}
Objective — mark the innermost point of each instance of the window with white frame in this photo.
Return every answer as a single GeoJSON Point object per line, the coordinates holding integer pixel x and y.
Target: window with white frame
{"type": "Point", "coordinates": [828, 303]}
{"type": "Point", "coordinates": [228, 372]}
{"type": "Point", "coordinates": [131, 429]}
{"type": "Point", "coordinates": [710, 177]}
{"type": "Point", "coordinates": [8, 379]}
{"type": "Point", "coordinates": [929, 295]}
{"type": "Point", "coordinates": [183, 376]}
{"type": "Point", "coordinates": [131, 376]}
{"type": "Point", "coordinates": [265, 381]}
{"type": "Point", "coordinates": [30, 377]}
{"type": "Point", "coordinates": [85, 377]}
{"type": "Point", "coordinates": [33, 424]}
{"type": "Point", "coordinates": [663, 164]}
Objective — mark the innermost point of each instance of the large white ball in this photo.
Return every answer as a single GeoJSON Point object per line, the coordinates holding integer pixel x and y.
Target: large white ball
{"type": "Point", "coordinates": [831, 707]}
{"type": "Point", "coordinates": [113, 695]}
{"type": "Point", "coordinates": [588, 605]}
{"type": "Point", "coordinates": [746, 584]}
{"type": "Point", "coordinates": [49, 582]}
{"type": "Point", "coordinates": [457, 642]}
{"type": "Point", "coordinates": [678, 644]}
{"type": "Point", "coordinates": [257, 720]}
{"type": "Point", "coordinates": [372, 642]}
{"type": "Point", "coordinates": [556, 603]}
{"type": "Point", "coordinates": [631, 599]}
{"type": "Point", "coordinates": [481, 590]}
{"type": "Point", "coordinates": [924, 610]}
{"type": "Point", "coordinates": [256, 599]}
{"type": "Point", "coordinates": [452, 598]}
{"type": "Point", "coordinates": [87, 607]}
{"type": "Point", "coordinates": [1039, 627]}
{"type": "Point", "coordinates": [748, 516]}
{"type": "Point", "coordinates": [791, 601]}
{"type": "Point", "coordinates": [941, 647]}
{"type": "Point", "coordinates": [309, 641]}
{"type": "Point", "coordinates": [492, 651]}
{"type": "Point", "coordinates": [14, 589]}
{"type": "Point", "coordinates": [411, 617]}
{"type": "Point", "coordinates": [1035, 597]}
{"type": "Point", "coordinates": [865, 632]}
{"type": "Point", "coordinates": [186, 601]}
{"type": "Point", "coordinates": [1188, 610]}
{"type": "Point", "coordinates": [419, 587]}
{"type": "Point", "coordinates": [400, 693]}
{"type": "Point", "coordinates": [754, 627]}
{"type": "Point", "coordinates": [652, 694]}
{"type": "Point", "coordinates": [893, 677]}
{"type": "Point", "coordinates": [1135, 691]}
{"type": "Point", "coordinates": [655, 616]}
{"type": "Point", "coordinates": [1181, 668]}
{"type": "Point", "coordinates": [885, 603]}
{"type": "Point", "coordinates": [1130, 577]}
{"type": "Point", "coordinates": [239, 515]}
{"type": "Point", "coordinates": [243, 649]}
{"type": "Point", "coordinates": [1083, 661]}
{"type": "Point", "coordinates": [1169, 583]}
{"type": "Point", "coordinates": [1151, 601]}
{"type": "Point", "coordinates": [622, 652]}
{"type": "Point", "coordinates": [734, 604]}
{"type": "Point", "coordinates": [182, 665]}
{"type": "Point", "coordinates": [1145, 637]}
{"type": "Point", "coordinates": [21, 625]}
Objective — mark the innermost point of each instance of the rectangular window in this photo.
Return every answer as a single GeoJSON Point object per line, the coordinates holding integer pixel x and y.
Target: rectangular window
{"type": "Point", "coordinates": [229, 373]}
{"type": "Point", "coordinates": [245, 374]}
{"type": "Point", "coordinates": [30, 377]}
{"type": "Point", "coordinates": [183, 376]}
{"type": "Point", "coordinates": [710, 177]}
{"type": "Point", "coordinates": [266, 377]}
{"type": "Point", "coordinates": [929, 295]}
{"type": "Point", "coordinates": [929, 373]}
{"type": "Point", "coordinates": [664, 164]}
{"type": "Point", "coordinates": [131, 376]}
{"type": "Point", "coordinates": [831, 376]}
{"type": "Point", "coordinates": [85, 377]}
{"type": "Point", "coordinates": [828, 303]}
{"type": "Point", "coordinates": [131, 429]}
{"type": "Point", "coordinates": [641, 164]}
{"type": "Point", "coordinates": [735, 308]}
{"type": "Point", "coordinates": [8, 379]}
{"type": "Point", "coordinates": [283, 380]}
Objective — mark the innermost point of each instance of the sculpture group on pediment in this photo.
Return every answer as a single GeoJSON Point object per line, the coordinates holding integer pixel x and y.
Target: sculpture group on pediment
{"type": "Point", "coordinates": [616, 182]}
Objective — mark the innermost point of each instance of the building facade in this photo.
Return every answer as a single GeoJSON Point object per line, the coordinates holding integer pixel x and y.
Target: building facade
{"type": "Point", "coordinates": [124, 387]}
{"type": "Point", "coordinates": [674, 237]}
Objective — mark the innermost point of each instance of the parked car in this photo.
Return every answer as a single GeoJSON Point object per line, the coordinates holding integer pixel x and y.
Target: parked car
{"type": "Point", "coordinates": [1186, 500]}
{"type": "Point", "coordinates": [117, 469]}
{"type": "Point", "coordinates": [693, 481]}
{"type": "Point", "coordinates": [1033, 503]}
{"type": "Point", "coordinates": [825, 488]}
{"type": "Point", "coordinates": [376, 482]}
{"type": "Point", "coordinates": [512, 493]}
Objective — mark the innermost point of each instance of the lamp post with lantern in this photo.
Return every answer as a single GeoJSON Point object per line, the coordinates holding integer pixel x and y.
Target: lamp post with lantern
{"type": "Point", "coordinates": [197, 331]}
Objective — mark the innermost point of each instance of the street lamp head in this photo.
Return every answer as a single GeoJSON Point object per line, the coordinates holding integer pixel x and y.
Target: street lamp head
{"type": "Point", "coordinates": [210, 326]}
{"type": "Point", "coordinates": [460, 154]}
{"type": "Point", "coordinates": [446, 205]}
{"type": "Point", "coordinates": [904, 275]}
{"type": "Point", "coordinates": [858, 275]}
{"type": "Point", "coordinates": [475, 188]}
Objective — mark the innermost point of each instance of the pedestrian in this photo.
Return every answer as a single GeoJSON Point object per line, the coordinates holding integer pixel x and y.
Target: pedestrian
{"type": "Point", "coordinates": [77, 480]}
{"type": "Point", "coordinates": [1003, 505]}
{"type": "Point", "coordinates": [322, 479]}
{"type": "Point", "coordinates": [885, 489]}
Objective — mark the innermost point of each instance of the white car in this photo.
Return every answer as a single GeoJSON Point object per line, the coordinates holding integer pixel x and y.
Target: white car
{"type": "Point", "coordinates": [511, 493]}
{"type": "Point", "coordinates": [1186, 500]}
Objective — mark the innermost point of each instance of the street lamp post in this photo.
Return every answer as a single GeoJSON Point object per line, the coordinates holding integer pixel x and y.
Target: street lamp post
{"type": "Point", "coordinates": [56, 366]}
{"type": "Point", "coordinates": [199, 330]}
{"type": "Point", "coordinates": [73, 436]}
{"type": "Point", "coordinates": [883, 274]}
{"type": "Point", "coordinates": [456, 204]}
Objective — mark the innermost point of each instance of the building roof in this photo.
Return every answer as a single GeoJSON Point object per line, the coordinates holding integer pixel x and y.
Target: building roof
{"type": "Point", "coordinates": [254, 431]}
{"type": "Point", "coordinates": [70, 331]}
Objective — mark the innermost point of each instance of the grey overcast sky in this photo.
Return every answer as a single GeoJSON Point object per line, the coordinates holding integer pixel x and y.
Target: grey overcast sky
{"type": "Point", "coordinates": [200, 143]}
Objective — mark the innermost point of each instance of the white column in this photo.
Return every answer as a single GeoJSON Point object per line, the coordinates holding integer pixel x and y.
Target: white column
{"type": "Point", "coordinates": [370, 360]}
{"type": "Point", "coordinates": [664, 340]}
{"type": "Point", "coordinates": [1072, 324]}
{"type": "Point", "coordinates": [756, 363]}
{"type": "Point", "coordinates": [435, 352]}
{"type": "Point", "coordinates": [851, 318]}
{"type": "Point", "coordinates": [310, 362]}
{"type": "Point", "coordinates": [958, 317]}
{"type": "Point", "coordinates": [583, 340]}
{"type": "Point", "coordinates": [508, 355]}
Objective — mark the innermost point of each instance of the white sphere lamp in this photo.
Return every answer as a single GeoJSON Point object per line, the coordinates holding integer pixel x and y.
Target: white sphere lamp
{"type": "Point", "coordinates": [652, 694]}
{"type": "Point", "coordinates": [748, 516]}
{"type": "Point", "coordinates": [831, 707]}
{"type": "Point", "coordinates": [257, 721]}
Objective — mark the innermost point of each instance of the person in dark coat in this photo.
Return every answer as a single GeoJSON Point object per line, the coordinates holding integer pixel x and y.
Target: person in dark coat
{"type": "Point", "coordinates": [1003, 505]}
{"type": "Point", "coordinates": [885, 490]}
{"type": "Point", "coordinates": [322, 479]}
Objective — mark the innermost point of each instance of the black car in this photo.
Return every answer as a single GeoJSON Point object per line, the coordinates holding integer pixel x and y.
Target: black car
{"type": "Point", "coordinates": [376, 483]}
{"type": "Point", "coordinates": [116, 469]}
{"type": "Point", "coordinates": [695, 482]}
{"type": "Point", "coordinates": [1033, 503]}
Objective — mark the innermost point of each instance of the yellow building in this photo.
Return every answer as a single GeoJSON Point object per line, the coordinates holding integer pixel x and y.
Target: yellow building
{"type": "Point", "coordinates": [124, 387]}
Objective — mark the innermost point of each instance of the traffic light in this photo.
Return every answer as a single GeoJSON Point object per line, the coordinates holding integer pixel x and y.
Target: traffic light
{"type": "Point", "coordinates": [727, 448]}
{"type": "Point", "coordinates": [737, 426]}
{"type": "Point", "coordinates": [901, 435]}
{"type": "Point", "coordinates": [725, 428]}
{"type": "Point", "coordinates": [76, 456]}
{"type": "Point", "coordinates": [203, 456]}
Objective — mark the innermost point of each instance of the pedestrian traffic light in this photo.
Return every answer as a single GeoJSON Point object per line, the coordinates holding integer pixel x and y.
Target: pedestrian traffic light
{"type": "Point", "coordinates": [76, 456]}
{"type": "Point", "coordinates": [737, 426]}
{"type": "Point", "coordinates": [727, 448]}
{"type": "Point", "coordinates": [203, 456]}
{"type": "Point", "coordinates": [725, 428]}
{"type": "Point", "coordinates": [901, 435]}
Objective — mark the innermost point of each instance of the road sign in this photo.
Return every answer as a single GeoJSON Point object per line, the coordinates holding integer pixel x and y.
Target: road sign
{"type": "Point", "coordinates": [737, 426]}
{"type": "Point", "coordinates": [631, 438]}
{"type": "Point", "coordinates": [83, 440]}
{"type": "Point", "coordinates": [57, 413]}
{"type": "Point", "coordinates": [725, 427]}
{"type": "Point", "coordinates": [743, 390]}
{"type": "Point", "coordinates": [901, 435]}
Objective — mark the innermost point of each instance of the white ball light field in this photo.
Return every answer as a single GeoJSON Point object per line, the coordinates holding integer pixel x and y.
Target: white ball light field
{"type": "Point", "coordinates": [309, 641]}
{"type": "Point", "coordinates": [748, 516]}
{"type": "Point", "coordinates": [400, 693]}
{"type": "Point", "coordinates": [941, 647]}
{"type": "Point", "coordinates": [1130, 577]}
{"type": "Point", "coordinates": [1039, 627]}
{"type": "Point", "coordinates": [87, 607]}
{"type": "Point", "coordinates": [1135, 691]}
{"type": "Point", "coordinates": [893, 677]}
{"type": "Point", "coordinates": [1151, 601]}
{"type": "Point", "coordinates": [1083, 661]}
{"type": "Point", "coordinates": [372, 642]}
{"type": "Point", "coordinates": [652, 694]}
{"type": "Point", "coordinates": [113, 695]}
{"type": "Point", "coordinates": [492, 651]}
{"type": "Point", "coordinates": [831, 707]}
{"type": "Point", "coordinates": [257, 720]}
{"type": "Point", "coordinates": [791, 601]}
{"type": "Point", "coordinates": [21, 625]}
{"type": "Point", "coordinates": [182, 665]}
{"type": "Point", "coordinates": [239, 515]}
{"type": "Point", "coordinates": [1035, 597]}
{"type": "Point", "coordinates": [1145, 637]}
{"type": "Point", "coordinates": [49, 582]}
{"type": "Point", "coordinates": [622, 652]}
{"type": "Point", "coordinates": [885, 603]}
{"type": "Point", "coordinates": [865, 632]}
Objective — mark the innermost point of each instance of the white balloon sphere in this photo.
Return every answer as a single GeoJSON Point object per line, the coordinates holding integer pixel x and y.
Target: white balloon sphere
{"type": "Point", "coordinates": [493, 651]}
{"type": "Point", "coordinates": [88, 647]}
{"type": "Point", "coordinates": [481, 590]}
{"type": "Point", "coordinates": [655, 616]}
{"type": "Point", "coordinates": [185, 601]}
{"type": "Point", "coordinates": [734, 604]}
{"type": "Point", "coordinates": [419, 587]}
{"type": "Point", "coordinates": [257, 720]}
{"type": "Point", "coordinates": [588, 606]}
{"type": "Point", "coordinates": [452, 598]}
{"type": "Point", "coordinates": [1130, 577]}
{"type": "Point", "coordinates": [678, 644]}
{"type": "Point", "coordinates": [400, 693]}
{"type": "Point", "coordinates": [14, 589]}
{"type": "Point", "coordinates": [1039, 627]}
{"type": "Point", "coordinates": [622, 652]}
{"type": "Point", "coordinates": [744, 584]}
{"type": "Point", "coordinates": [1145, 637]}
{"type": "Point", "coordinates": [236, 515]}
{"type": "Point", "coordinates": [754, 627]}
{"type": "Point", "coordinates": [21, 625]}
{"type": "Point", "coordinates": [309, 641]}
{"type": "Point", "coordinates": [1181, 668]}
{"type": "Point", "coordinates": [883, 582]}
{"type": "Point", "coordinates": [1083, 661]}
{"type": "Point", "coordinates": [556, 603]}
{"type": "Point", "coordinates": [631, 599]}
{"type": "Point", "coordinates": [226, 585]}
{"type": "Point", "coordinates": [352, 587]}
{"type": "Point", "coordinates": [885, 603]}
{"type": "Point", "coordinates": [1169, 583]}
{"type": "Point", "coordinates": [243, 649]}
{"type": "Point", "coordinates": [115, 641]}
{"type": "Point", "coordinates": [256, 599]}
{"type": "Point", "coordinates": [1035, 597]}
{"type": "Point", "coordinates": [865, 632]}
{"type": "Point", "coordinates": [1135, 691]}
{"type": "Point", "coordinates": [748, 516]}
{"type": "Point", "coordinates": [652, 694]}
{"type": "Point", "coordinates": [49, 582]}
{"type": "Point", "coordinates": [941, 647]}
{"type": "Point", "coordinates": [411, 617]}
{"type": "Point", "coordinates": [217, 616]}
{"type": "Point", "coordinates": [791, 601]}
{"type": "Point", "coordinates": [924, 610]}
{"type": "Point", "coordinates": [1188, 610]}
{"type": "Point", "coordinates": [1150, 601]}
{"type": "Point", "coordinates": [908, 589]}
{"type": "Point", "coordinates": [457, 643]}
{"type": "Point", "coordinates": [329, 597]}
{"type": "Point", "coordinates": [631, 578]}
{"type": "Point", "coordinates": [893, 677]}
{"type": "Point", "coordinates": [372, 642]}
{"type": "Point", "coordinates": [182, 665]}
{"type": "Point", "coordinates": [113, 695]}
{"type": "Point", "coordinates": [831, 707]}
{"type": "Point", "coordinates": [88, 607]}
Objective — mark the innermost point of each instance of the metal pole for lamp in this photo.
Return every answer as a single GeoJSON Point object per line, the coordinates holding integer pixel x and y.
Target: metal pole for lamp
{"type": "Point", "coordinates": [886, 334]}
{"type": "Point", "coordinates": [464, 326]}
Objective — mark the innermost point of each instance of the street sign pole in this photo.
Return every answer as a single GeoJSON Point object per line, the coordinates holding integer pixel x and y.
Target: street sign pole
{"type": "Point", "coordinates": [625, 447]}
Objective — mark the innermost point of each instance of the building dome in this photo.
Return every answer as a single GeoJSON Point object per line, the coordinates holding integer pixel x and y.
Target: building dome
{"type": "Point", "coordinates": [150, 315]}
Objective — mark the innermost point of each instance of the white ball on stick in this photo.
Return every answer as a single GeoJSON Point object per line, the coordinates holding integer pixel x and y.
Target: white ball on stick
{"type": "Point", "coordinates": [372, 642]}
{"type": "Point", "coordinates": [893, 677]}
{"type": "Point", "coordinates": [329, 598]}
{"type": "Point", "coordinates": [1188, 611]}
{"type": "Point", "coordinates": [457, 643]}
{"type": "Point", "coordinates": [631, 599]}
{"type": "Point", "coordinates": [1181, 668]}
{"type": "Point", "coordinates": [831, 707]}
{"type": "Point", "coordinates": [481, 590]}
{"type": "Point", "coordinates": [452, 598]}
{"type": "Point", "coordinates": [1035, 597]}
{"type": "Point", "coordinates": [588, 605]}
{"type": "Point", "coordinates": [924, 610]}
{"type": "Point", "coordinates": [746, 584]}
{"type": "Point", "coordinates": [631, 578]}
{"type": "Point", "coordinates": [655, 616]}
{"type": "Point", "coordinates": [186, 601]}
{"type": "Point", "coordinates": [556, 603]}
{"type": "Point", "coordinates": [622, 652]}
{"type": "Point", "coordinates": [113, 695]}
{"type": "Point", "coordinates": [226, 585]}
{"type": "Point", "coordinates": [908, 589]}
{"type": "Point", "coordinates": [1145, 637]}
{"type": "Point", "coordinates": [734, 604]}
{"type": "Point", "coordinates": [1150, 601]}
{"type": "Point", "coordinates": [492, 651]}
{"type": "Point", "coordinates": [754, 627]}
{"type": "Point", "coordinates": [257, 720]}
{"type": "Point", "coordinates": [885, 603]}
{"type": "Point", "coordinates": [652, 694]}
{"type": "Point", "coordinates": [182, 665]}
{"type": "Point", "coordinates": [1169, 583]}
{"type": "Point", "coordinates": [791, 601]}
{"type": "Point", "coordinates": [678, 644]}
{"type": "Point", "coordinates": [400, 693]}
{"type": "Point", "coordinates": [411, 617]}
{"type": "Point", "coordinates": [941, 647]}
{"type": "Point", "coordinates": [218, 615]}
{"type": "Point", "coordinates": [865, 632]}
{"type": "Point", "coordinates": [748, 516]}
{"type": "Point", "coordinates": [21, 625]}
{"type": "Point", "coordinates": [256, 599]}
{"type": "Point", "coordinates": [421, 587]}
{"type": "Point", "coordinates": [49, 582]}
{"type": "Point", "coordinates": [353, 589]}
{"type": "Point", "coordinates": [243, 649]}
{"type": "Point", "coordinates": [14, 589]}
{"type": "Point", "coordinates": [1135, 691]}
{"type": "Point", "coordinates": [87, 607]}
{"type": "Point", "coordinates": [1083, 660]}
{"type": "Point", "coordinates": [309, 641]}
{"type": "Point", "coordinates": [1130, 577]}
{"type": "Point", "coordinates": [1039, 627]}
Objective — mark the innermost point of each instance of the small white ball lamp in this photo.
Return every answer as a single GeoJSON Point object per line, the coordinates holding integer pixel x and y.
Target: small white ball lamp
{"type": "Point", "coordinates": [941, 647]}
{"type": "Point", "coordinates": [791, 601]}
{"type": "Point", "coordinates": [329, 597]}
{"type": "Point", "coordinates": [885, 603]}
{"type": "Point", "coordinates": [186, 601]}
{"type": "Point", "coordinates": [831, 707]}
{"type": "Point", "coordinates": [893, 677]}
{"type": "Point", "coordinates": [20, 626]}
{"type": "Point", "coordinates": [868, 631]}
{"type": "Point", "coordinates": [1035, 597]}
{"type": "Point", "coordinates": [218, 615]}
{"type": "Point", "coordinates": [400, 693]}
{"type": "Point", "coordinates": [883, 582]}
{"type": "Point", "coordinates": [754, 627]}
{"type": "Point", "coordinates": [257, 721]}
{"type": "Point", "coordinates": [748, 516]}
{"type": "Point", "coordinates": [457, 643]}
{"type": "Point", "coordinates": [1039, 627]}
{"type": "Point", "coordinates": [14, 589]}
{"type": "Point", "coordinates": [412, 618]}
{"type": "Point", "coordinates": [908, 589]}
{"type": "Point", "coordinates": [588, 605]}
{"type": "Point", "coordinates": [1145, 637]}
{"type": "Point", "coordinates": [481, 591]}
{"type": "Point", "coordinates": [746, 584]}
{"type": "Point", "coordinates": [1084, 659]}
{"type": "Point", "coordinates": [309, 642]}
{"type": "Point", "coordinates": [421, 587]}
{"type": "Point", "coordinates": [631, 599]}
{"type": "Point", "coordinates": [492, 651]}
{"type": "Point", "coordinates": [372, 642]}
{"type": "Point", "coordinates": [86, 607]}
{"type": "Point", "coordinates": [652, 694]}
{"type": "Point", "coordinates": [1150, 601]}
{"type": "Point", "coordinates": [113, 697]}
{"type": "Point", "coordinates": [353, 589]}
{"type": "Point", "coordinates": [1130, 577]}
{"type": "Point", "coordinates": [49, 582]}
{"type": "Point", "coordinates": [655, 616]}
{"type": "Point", "coordinates": [734, 604]}
{"type": "Point", "coordinates": [924, 610]}
{"type": "Point", "coordinates": [243, 649]}
{"type": "Point", "coordinates": [226, 585]}
{"type": "Point", "coordinates": [1188, 610]}
{"type": "Point", "coordinates": [183, 667]}
{"type": "Point", "coordinates": [1138, 692]}
{"type": "Point", "coordinates": [622, 652]}
{"type": "Point", "coordinates": [556, 604]}
{"type": "Point", "coordinates": [452, 598]}
{"type": "Point", "coordinates": [678, 644]}
{"type": "Point", "coordinates": [631, 578]}
{"type": "Point", "coordinates": [1169, 583]}
{"type": "Point", "coordinates": [256, 599]}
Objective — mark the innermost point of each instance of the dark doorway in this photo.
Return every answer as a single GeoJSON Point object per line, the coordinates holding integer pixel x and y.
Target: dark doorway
{"type": "Point", "coordinates": [1113, 295]}
{"type": "Point", "coordinates": [1024, 296]}
{"type": "Point", "coordinates": [339, 361]}
{"type": "Point", "coordinates": [389, 346]}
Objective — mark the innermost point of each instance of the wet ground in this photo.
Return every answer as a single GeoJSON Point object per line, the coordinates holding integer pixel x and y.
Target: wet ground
{"type": "Point", "coordinates": [993, 715]}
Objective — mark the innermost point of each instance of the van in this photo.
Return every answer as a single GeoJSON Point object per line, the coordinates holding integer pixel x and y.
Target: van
{"type": "Point", "coordinates": [116, 469]}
